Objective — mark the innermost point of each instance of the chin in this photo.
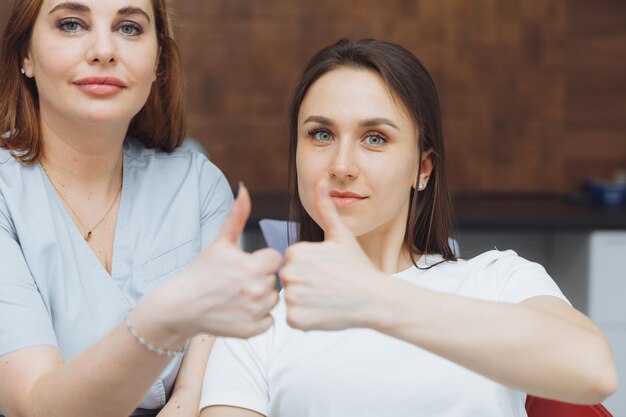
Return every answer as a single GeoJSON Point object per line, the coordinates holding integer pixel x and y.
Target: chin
{"type": "Point", "coordinates": [107, 115]}
{"type": "Point", "coordinates": [357, 228]}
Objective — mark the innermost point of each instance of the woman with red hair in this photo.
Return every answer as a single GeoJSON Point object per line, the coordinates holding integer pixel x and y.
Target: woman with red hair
{"type": "Point", "coordinates": [112, 246]}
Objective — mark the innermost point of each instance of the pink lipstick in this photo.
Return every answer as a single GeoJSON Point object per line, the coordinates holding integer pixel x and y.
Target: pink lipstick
{"type": "Point", "coordinates": [345, 199]}
{"type": "Point", "coordinates": [100, 86]}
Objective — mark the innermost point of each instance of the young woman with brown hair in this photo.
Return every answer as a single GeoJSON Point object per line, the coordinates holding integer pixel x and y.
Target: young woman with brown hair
{"type": "Point", "coordinates": [415, 331]}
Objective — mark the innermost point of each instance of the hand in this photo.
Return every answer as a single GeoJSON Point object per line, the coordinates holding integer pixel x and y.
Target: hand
{"type": "Point", "coordinates": [329, 285]}
{"type": "Point", "coordinates": [225, 291]}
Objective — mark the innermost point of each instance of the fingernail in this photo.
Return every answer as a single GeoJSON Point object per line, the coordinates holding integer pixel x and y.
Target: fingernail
{"type": "Point", "coordinates": [240, 185]}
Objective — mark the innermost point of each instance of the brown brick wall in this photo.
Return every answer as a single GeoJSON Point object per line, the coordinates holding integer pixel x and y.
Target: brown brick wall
{"type": "Point", "coordinates": [533, 92]}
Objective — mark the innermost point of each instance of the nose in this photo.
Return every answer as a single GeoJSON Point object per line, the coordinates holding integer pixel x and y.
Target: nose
{"type": "Point", "coordinates": [102, 47]}
{"type": "Point", "coordinates": [344, 164]}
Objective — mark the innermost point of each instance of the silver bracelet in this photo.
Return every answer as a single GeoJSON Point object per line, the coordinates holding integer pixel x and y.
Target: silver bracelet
{"type": "Point", "coordinates": [151, 346]}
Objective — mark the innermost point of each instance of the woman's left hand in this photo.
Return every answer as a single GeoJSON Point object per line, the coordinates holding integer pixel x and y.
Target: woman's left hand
{"type": "Point", "coordinates": [329, 285]}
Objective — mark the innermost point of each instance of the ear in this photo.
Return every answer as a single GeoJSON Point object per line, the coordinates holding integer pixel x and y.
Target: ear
{"type": "Point", "coordinates": [427, 164]}
{"type": "Point", "coordinates": [28, 66]}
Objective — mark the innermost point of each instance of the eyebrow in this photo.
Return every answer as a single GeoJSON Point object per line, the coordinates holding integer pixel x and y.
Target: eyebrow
{"type": "Point", "coordinates": [79, 7]}
{"type": "Point", "coordinates": [130, 10]}
{"type": "Point", "coordinates": [375, 121]}
{"type": "Point", "coordinates": [76, 7]}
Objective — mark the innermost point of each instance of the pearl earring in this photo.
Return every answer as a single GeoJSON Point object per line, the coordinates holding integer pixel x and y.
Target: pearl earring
{"type": "Point", "coordinates": [22, 70]}
{"type": "Point", "coordinates": [420, 186]}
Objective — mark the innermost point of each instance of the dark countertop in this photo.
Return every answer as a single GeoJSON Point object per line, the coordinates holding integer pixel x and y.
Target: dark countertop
{"type": "Point", "coordinates": [494, 212]}
{"type": "Point", "coordinates": [544, 212]}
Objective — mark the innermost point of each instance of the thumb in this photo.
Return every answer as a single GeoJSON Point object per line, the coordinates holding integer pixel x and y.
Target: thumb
{"type": "Point", "coordinates": [327, 213]}
{"type": "Point", "coordinates": [236, 221]}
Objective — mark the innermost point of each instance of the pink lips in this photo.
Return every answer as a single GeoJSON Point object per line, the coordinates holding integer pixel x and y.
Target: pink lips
{"type": "Point", "coordinates": [100, 86]}
{"type": "Point", "coordinates": [344, 199]}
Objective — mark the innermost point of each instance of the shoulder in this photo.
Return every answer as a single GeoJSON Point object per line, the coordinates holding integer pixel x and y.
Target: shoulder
{"type": "Point", "coordinates": [136, 152]}
{"type": "Point", "coordinates": [181, 162]}
{"type": "Point", "coordinates": [502, 262]}
{"type": "Point", "coordinates": [436, 265]}
{"type": "Point", "coordinates": [496, 258]}
{"type": "Point", "coordinates": [23, 199]}
{"type": "Point", "coordinates": [17, 181]}
{"type": "Point", "coordinates": [9, 162]}
{"type": "Point", "coordinates": [494, 275]}
{"type": "Point", "coordinates": [488, 261]}
{"type": "Point", "coordinates": [494, 263]}
{"type": "Point", "coordinates": [5, 156]}
{"type": "Point", "coordinates": [513, 277]}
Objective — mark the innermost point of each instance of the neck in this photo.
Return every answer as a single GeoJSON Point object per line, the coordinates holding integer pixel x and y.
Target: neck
{"type": "Point", "coordinates": [386, 248]}
{"type": "Point", "coordinates": [84, 159]}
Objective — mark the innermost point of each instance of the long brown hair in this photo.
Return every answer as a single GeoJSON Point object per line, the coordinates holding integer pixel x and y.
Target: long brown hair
{"type": "Point", "coordinates": [159, 124]}
{"type": "Point", "coordinates": [430, 220]}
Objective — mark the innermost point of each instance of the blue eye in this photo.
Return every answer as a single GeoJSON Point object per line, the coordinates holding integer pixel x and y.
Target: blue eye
{"type": "Point", "coordinates": [321, 135]}
{"type": "Point", "coordinates": [70, 25]}
{"type": "Point", "coordinates": [130, 29]}
{"type": "Point", "coordinates": [375, 140]}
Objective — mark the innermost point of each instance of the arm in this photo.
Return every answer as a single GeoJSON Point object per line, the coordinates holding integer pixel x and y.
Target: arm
{"type": "Point", "coordinates": [236, 381]}
{"type": "Point", "coordinates": [541, 346]}
{"type": "Point", "coordinates": [225, 291]}
{"type": "Point", "coordinates": [36, 381]}
{"type": "Point", "coordinates": [185, 398]}
{"type": "Point", "coordinates": [225, 411]}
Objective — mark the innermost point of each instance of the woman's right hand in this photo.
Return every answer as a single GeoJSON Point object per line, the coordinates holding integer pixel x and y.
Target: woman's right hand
{"type": "Point", "coordinates": [225, 291]}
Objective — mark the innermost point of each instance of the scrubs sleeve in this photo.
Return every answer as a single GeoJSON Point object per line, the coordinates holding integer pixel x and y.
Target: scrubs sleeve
{"type": "Point", "coordinates": [24, 318]}
{"type": "Point", "coordinates": [216, 202]}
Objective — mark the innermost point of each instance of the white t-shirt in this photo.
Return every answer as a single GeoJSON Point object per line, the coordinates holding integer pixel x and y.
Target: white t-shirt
{"type": "Point", "coordinates": [360, 372]}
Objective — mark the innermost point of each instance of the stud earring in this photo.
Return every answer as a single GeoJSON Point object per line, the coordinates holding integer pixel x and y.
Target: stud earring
{"type": "Point", "coordinates": [22, 70]}
{"type": "Point", "coordinates": [420, 186]}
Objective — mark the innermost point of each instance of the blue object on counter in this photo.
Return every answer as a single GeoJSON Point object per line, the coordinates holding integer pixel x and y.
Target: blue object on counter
{"type": "Point", "coordinates": [607, 193]}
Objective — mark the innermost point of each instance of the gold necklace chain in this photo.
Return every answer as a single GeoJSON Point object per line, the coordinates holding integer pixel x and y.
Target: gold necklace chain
{"type": "Point", "coordinates": [89, 233]}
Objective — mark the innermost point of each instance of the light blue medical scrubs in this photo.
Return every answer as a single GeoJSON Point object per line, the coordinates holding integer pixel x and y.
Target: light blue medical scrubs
{"type": "Point", "coordinates": [53, 289]}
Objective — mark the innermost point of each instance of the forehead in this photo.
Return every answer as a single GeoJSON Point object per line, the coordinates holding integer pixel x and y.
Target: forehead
{"type": "Point", "coordinates": [353, 93]}
{"type": "Point", "coordinates": [99, 6]}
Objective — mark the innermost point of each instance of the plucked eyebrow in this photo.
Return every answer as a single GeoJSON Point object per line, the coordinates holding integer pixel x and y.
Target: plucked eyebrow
{"type": "Point", "coordinates": [79, 7]}
{"type": "Point", "coordinates": [75, 7]}
{"type": "Point", "coordinates": [376, 121]}
{"type": "Point", "coordinates": [130, 10]}
{"type": "Point", "coordinates": [319, 119]}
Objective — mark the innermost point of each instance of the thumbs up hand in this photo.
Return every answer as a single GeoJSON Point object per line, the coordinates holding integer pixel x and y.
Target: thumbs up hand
{"type": "Point", "coordinates": [329, 285]}
{"type": "Point", "coordinates": [225, 291]}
